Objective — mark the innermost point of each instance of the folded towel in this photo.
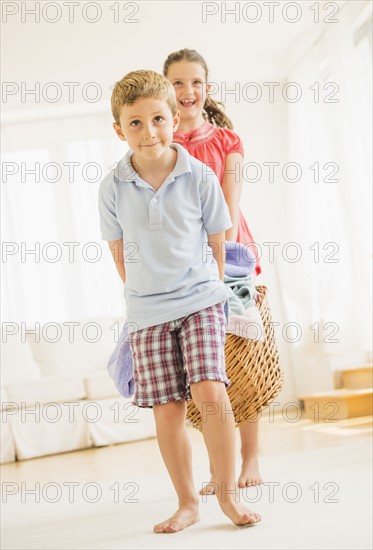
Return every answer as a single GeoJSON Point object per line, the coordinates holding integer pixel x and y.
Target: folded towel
{"type": "Point", "coordinates": [248, 325]}
{"type": "Point", "coordinates": [242, 293]}
{"type": "Point", "coordinates": [244, 317]}
{"type": "Point", "coordinates": [239, 259]}
{"type": "Point", "coordinates": [120, 365]}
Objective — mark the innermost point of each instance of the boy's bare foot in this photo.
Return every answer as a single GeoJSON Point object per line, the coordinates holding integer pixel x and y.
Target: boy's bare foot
{"type": "Point", "coordinates": [250, 474]}
{"type": "Point", "coordinates": [238, 513]}
{"type": "Point", "coordinates": [184, 517]}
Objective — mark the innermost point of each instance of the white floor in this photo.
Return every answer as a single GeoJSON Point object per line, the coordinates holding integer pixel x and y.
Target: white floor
{"type": "Point", "coordinates": [317, 495]}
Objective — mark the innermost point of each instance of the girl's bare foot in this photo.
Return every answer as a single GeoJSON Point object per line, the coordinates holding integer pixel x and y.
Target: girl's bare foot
{"type": "Point", "coordinates": [209, 488]}
{"type": "Point", "coordinates": [250, 474]}
{"type": "Point", "coordinates": [185, 516]}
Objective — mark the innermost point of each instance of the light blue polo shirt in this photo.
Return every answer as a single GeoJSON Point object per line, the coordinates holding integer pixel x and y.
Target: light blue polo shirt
{"type": "Point", "coordinates": [170, 269]}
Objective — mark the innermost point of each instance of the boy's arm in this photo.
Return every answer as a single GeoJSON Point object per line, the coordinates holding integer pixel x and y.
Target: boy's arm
{"type": "Point", "coordinates": [116, 248]}
{"type": "Point", "coordinates": [232, 186]}
{"type": "Point", "coordinates": [217, 243]}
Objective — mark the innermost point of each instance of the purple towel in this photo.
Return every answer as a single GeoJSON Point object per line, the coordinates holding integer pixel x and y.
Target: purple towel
{"type": "Point", "coordinates": [120, 365]}
{"type": "Point", "coordinates": [239, 261]}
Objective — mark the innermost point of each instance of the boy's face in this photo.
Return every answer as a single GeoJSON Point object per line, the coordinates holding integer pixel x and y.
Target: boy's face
{"type": "Point", "coordinates": [147, 126]}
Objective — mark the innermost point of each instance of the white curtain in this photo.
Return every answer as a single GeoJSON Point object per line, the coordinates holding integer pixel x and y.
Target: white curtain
{"type": "Point", "coordinates": [329, 211]}
{"type": "Point", "coordinates": [51, 174]}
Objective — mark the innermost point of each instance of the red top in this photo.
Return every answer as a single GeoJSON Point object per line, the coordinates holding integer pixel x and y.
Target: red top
{"type": "Point", "coordinates": [211, 145]}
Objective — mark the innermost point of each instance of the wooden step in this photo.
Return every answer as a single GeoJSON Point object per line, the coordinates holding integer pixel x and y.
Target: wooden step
{"type": "Point", "coordinates": [355, 378]}
{"type": "Point", "coordinates": [335, 405]}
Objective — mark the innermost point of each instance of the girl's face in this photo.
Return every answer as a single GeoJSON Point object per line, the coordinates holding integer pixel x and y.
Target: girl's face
{"type": "Point", "coordinates": [189, 80]}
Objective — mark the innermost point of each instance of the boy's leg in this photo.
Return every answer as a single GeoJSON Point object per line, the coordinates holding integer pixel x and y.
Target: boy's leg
{"type": "Point", "coordinates": [212, 400]}
{"type": "Point", "coordinates": [250, 474]}
{"type": "Point", "coordinates": [176, 451]}
{"type": "Point", "coordinates": [160, 383]}
{"type": "Point", "coordinates": [202, 339]}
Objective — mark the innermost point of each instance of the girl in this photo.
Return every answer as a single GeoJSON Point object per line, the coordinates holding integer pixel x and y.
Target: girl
{"type": "Point", "coordinates": [206, 132]}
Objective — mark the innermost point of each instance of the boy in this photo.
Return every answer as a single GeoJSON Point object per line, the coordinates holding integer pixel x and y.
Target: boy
{"type": "Point", "coordinates": [165, 220]}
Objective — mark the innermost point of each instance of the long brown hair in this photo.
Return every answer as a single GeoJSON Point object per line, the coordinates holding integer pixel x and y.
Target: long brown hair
{"type": "Point", "coordinates": [213, 110]}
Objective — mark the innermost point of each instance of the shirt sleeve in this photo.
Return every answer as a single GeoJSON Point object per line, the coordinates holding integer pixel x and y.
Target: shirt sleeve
{"type": "Point", "coordinates": [232, 143]}
{"type": "Point", "coordinates": [111, 229]}
{"type": "Point", "coordinates": [215, 213]}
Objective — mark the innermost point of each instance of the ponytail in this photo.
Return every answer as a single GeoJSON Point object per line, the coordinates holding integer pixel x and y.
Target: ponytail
{"type": "Point", "coordinates": [216, 115]}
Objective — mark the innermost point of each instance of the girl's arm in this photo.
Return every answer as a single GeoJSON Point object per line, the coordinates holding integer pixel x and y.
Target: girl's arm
{"type": "Point", "coordinates": [217, 244]}
{"type": "Point", "coordinates": [232, 186]}
{"type": "Point", "coordinates": [116, 248]}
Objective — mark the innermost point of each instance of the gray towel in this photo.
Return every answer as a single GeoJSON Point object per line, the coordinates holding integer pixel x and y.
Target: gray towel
{"type": "Point", "coordinates": [242, 293]}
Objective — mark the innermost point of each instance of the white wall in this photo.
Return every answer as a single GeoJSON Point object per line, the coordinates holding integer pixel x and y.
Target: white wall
{"type": "Point", "coordinates": [103, 51]}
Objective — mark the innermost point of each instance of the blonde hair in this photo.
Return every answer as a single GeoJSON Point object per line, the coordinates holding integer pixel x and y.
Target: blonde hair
{"type": "Point", "coordinates": [213, 110]}
{"type": "Point", "coordinates": [140, 84]}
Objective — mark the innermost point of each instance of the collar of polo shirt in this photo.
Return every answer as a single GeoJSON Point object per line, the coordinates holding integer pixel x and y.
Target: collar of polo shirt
{"type": "Point", "coordinates": [125, 173]}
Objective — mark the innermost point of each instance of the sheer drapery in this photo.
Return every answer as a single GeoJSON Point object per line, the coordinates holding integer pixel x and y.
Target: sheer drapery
{"type": "Point", "coordinates": [329, 211]}
{"type": "Point", "coordinates": [55, 265]}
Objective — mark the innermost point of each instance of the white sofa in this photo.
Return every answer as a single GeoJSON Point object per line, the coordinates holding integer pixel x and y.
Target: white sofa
{"type": "Point", "coordinates": [56, 394]}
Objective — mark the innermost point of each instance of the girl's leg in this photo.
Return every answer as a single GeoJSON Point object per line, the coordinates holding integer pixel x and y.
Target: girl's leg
{"type": "Point", "coordinates": [176, 451]}
{"type": "Point", "coordinates": [250, 474]}
{"type": "Point", "coordinates": [209, 488]}
{"type": "Point", "coordinates": [212, 400]}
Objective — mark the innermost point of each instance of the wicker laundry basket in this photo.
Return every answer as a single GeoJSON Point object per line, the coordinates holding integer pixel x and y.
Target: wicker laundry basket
{"type": "Point", "coordinates": [253, 369]}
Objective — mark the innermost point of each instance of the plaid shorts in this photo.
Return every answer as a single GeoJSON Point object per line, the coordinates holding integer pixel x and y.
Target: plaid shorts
{"type": "Point", "coordinates": [169, 357]}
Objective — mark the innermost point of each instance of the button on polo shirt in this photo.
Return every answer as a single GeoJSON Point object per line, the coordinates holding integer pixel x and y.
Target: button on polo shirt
{"type": "Point", "coordinates": [170, 269]}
